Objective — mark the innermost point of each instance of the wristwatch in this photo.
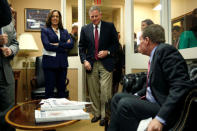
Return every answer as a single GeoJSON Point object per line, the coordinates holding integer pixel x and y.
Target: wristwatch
{"type": "Point", "coordinates": [108, 52]}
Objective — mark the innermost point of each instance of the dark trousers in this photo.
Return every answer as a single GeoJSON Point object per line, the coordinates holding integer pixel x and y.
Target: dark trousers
{"type": "Point", "coordinates": [7, 100]}
{"type": "Point", "coordinates": [117, 74]}
{"type": "Point", "coordinates": [128, 110]}
{"type": "Point", "coordinates": [55, 78]}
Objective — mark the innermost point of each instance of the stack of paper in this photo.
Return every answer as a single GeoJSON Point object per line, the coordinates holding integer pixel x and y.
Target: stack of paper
{"type": "Point", "coordinates": [49, 116]}
{"type": "Point", "coordinates": [61, 104]}
{"type": "Point", "coordinates": [59, 109]}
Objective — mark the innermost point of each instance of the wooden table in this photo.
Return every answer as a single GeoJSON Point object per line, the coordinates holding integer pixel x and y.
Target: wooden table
{"type": "Point", "coordinates": [22, 116]}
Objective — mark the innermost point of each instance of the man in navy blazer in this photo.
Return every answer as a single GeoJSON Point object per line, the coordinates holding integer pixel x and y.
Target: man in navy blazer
{"type": "Point", "coordinates": [97, 45]}
{"type": "Point", "coordinates": [167, 84]}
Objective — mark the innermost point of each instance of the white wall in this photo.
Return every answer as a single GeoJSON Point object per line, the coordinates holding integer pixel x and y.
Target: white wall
{"type": "Point", "coordinates": [142, 12]}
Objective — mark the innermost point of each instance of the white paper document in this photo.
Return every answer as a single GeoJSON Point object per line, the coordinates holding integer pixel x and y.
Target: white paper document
{"type": "Point", "coordinates": [51, 116]}
{"type": "Point", "coordinates": [144, 124]}
{"type": "Point", "coordinates": [55, 104]}
{"type": "Point", "coordinates": [49, 53]}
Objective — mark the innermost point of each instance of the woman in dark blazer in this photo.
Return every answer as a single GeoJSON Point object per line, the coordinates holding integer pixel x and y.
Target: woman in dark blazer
{"type": "Point", "coordinates": [56, 42]}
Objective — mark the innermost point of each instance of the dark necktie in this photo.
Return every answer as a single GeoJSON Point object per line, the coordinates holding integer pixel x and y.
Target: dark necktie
{"type": "Point", "coordinates": [96, 40]}
{"type": "Point", "coordinates": [148, 74]}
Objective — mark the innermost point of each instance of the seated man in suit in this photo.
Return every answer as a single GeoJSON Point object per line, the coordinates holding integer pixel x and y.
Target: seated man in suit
{"type": "Point", "coordinates": [167, 83]}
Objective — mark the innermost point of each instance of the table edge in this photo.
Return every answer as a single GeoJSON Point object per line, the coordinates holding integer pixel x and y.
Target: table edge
{"type": "Point", "coordinates": [35, 127]}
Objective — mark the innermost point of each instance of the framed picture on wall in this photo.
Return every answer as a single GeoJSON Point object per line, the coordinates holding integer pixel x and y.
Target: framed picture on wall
{"type": "Point", "coordinates": [35, 19]}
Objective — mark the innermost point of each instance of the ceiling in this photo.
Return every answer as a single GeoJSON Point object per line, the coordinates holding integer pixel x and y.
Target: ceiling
{"type": "Point", "coordinates": [146, 1]}
{"type": "Point", "coordinates": [106, 11]}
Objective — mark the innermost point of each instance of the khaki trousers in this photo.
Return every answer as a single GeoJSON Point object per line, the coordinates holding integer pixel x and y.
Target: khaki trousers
{"type": "Point", "coordinates": [99, 88]}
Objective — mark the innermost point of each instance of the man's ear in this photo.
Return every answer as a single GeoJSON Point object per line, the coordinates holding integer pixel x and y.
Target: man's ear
{"type": "Point", "coordinates": [147, 39]}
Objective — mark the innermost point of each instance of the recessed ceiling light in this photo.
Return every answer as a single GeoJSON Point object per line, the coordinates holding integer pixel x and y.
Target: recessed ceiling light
{"type": "Point", "coordinates": [157, 7]}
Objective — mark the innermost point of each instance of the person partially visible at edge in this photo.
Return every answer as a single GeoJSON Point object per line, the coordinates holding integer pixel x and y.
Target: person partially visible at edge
{"type": "Point", "coordinates": [188, 39]}
{"type": "Point", "coordinates": [176, 31]}
{"type": "Point", "coordinates": [118, 70]}
{"type": "Point", "coordinates": [144, 24]}
{"type": "Point", "coordinates": [56, 42]}
{"type": "Point", "coordinates": [5, 13]}
{"type": "Point", "coordinates": [74, 32]}
{"type": "Point", "coordinates": [9, 47]}
{"type": "Point", "coordinates": [135, 43]}
{"type": "Point", "coordinates": [97, 45]}
{"type": "Point", "coordinates": [74, 35]}
{"type": "Point", "coordinates": [163, 98]}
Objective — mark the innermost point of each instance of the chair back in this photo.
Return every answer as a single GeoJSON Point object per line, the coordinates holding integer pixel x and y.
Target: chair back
{"type": "Point", "coordinates": [40, 82]}
{"type": "Point", "coordinates": [134, 82]}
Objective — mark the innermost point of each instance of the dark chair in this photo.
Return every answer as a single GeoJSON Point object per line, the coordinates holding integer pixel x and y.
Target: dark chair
{"type": "Point", "coordinates": [188, 117]}
{"type": "Point", "coordinates": [38, 83]}
{"type": "Point", "coordinates": [134, 82]}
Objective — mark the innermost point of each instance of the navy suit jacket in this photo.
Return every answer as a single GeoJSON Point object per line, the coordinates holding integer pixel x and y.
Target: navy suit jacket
{"type": "Point", "coordinates": [108, 40]}
{"type": "Point", "coordinates": [5, 13]}
{"type": "Point", "coordinates": [169, 81]}
{"type": "Point", "coordinates": [48, 36]}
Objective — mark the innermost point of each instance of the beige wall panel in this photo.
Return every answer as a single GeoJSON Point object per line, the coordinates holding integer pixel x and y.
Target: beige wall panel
{"type": "Point", "coordinates": [20, 5]}
{"type": "Point", "coordinates": [116, 19]}
{"type": "Point", "coordinates": [181, 7]}
{"type": "Point", "coordinates": [68, 16]}
{"type": "Point", "coordinates": [73, 84]}
{"type": "Point", "coordinates": [142, 12]}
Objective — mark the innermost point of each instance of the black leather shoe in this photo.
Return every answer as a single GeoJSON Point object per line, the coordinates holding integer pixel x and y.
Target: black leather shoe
{"type": "Point", "coordinates": [102, 122]}
{"type": "Point", "coordinates": [95, 119]}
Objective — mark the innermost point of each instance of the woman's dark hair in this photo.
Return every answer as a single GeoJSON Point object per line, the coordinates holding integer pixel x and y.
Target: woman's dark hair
{"type": "Point", "coordinates": [194, 22]}
{"type": "Point", "coordinates": [48, 21]}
